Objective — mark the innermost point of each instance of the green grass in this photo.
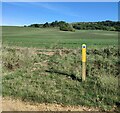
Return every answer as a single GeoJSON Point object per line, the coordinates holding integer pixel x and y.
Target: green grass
{"type": "Point", "coordinates": [50, 37]}
{"type": "Point", "coordinates": [56, 88]}
{"type": "Point", "coordinates": [57, 78]}
{"type": "Point", "coordinates": [26, 76]}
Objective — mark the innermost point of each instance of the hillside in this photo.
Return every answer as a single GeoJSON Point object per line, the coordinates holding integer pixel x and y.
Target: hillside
{"type": "Point", "coordinates": [45, 65]}
{"type": "Point", "coordinates": [51, 37]}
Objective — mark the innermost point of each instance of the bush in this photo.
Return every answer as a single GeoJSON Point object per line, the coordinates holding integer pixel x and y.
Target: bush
{"type": "Point", "coordinates": [66, 27]}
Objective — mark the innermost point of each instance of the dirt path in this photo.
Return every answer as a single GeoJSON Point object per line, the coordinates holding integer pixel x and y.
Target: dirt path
{"type": "Point", "coordinates": [17, 105]}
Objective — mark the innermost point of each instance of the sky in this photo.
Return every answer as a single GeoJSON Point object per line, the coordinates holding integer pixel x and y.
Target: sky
{"type": "Point", "coordinates": [26, 13]}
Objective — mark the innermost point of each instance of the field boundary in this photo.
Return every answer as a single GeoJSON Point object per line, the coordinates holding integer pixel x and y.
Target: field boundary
{"type": "Point", "coordinates": [10, 104]}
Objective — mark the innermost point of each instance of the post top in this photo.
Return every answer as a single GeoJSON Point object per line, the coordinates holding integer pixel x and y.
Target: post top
{"type": "Point", "coordinates": [83, 45]}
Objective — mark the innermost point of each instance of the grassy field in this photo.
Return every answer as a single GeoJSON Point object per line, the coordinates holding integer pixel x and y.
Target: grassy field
{"type": "Point", "coordinates": [34, 75]}
{"type": "Point", "coordinates": [49, 38]}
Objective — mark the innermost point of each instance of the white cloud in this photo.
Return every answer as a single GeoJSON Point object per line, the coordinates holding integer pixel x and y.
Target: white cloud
{"type": "Point", "coordinates": [59, 9]}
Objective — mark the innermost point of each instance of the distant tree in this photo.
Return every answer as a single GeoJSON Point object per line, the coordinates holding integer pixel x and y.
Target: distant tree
{"type": "Point", "coordinates": [46, 24]}
{"type": "Point", "coordinates": [61, 23]}
{"type": "Point", "coordinates": [103, 25]}
{"type": "Point", "coordinates": [54, 24]}
{"type": "Point", "coordinates": [25, 26]}
{"type": "Point", "coordinates": [36, 25]}
{"type": "Point", "coordinates": [117, 27]}
{"type": "Point", "coordinates": [66, 27]}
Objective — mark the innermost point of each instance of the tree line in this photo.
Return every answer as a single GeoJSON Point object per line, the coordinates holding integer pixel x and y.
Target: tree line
{"type": "Point", "coordinates": [103, 25]}
{"type": "Point", "coordinates": [64, 26]}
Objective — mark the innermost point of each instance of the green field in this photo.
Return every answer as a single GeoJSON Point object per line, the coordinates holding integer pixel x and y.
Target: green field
{"type": "Point", "coordinates": [33, 75]}
{"type": "Point", "coordinates": [50, 37]}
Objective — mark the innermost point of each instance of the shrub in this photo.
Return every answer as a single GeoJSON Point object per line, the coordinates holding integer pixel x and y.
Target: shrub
{"type": "Point", "coordinates": [66, 27]}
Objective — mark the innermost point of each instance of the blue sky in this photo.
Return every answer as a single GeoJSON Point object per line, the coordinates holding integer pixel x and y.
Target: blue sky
{"type": "Point", "coordinates": [25, 13]}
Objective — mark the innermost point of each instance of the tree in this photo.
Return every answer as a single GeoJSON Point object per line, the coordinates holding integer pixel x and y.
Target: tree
{"type": "Point", "coordinates": [46, 24]}
{"type": "Point", "coordinates": [54, 24]}
{"type": "Point", "coordinates": [103, 25]}
{"type": "Point", "coordinates": [36, 25]}
{"type": "Point", "coordinates": [66, 27]}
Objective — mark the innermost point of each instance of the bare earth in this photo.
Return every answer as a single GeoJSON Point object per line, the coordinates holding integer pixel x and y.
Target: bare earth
{"type": "Point", "coordinates": [17, 105]}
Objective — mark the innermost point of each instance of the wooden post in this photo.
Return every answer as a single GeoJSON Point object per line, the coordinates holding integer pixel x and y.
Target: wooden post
{"type": "Point", "coordinates": [83, 62]}
{"type": "Point", "coordinates": [83, 71]}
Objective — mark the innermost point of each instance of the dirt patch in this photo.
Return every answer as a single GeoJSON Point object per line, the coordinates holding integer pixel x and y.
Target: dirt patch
{"type": "Point", "coordinates": [46, 53]}
{"type": "Point", "coordinates": [9, 104]}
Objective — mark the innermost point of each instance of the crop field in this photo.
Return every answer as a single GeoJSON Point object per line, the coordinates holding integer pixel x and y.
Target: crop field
{"type": "Point", "coordinates": [44, 65]}
{"type": "Point", "coordinates": [50, 38]}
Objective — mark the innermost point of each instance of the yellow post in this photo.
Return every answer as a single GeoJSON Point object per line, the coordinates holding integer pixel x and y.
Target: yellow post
{"type": "Point", "coordinates": [83, 62]}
